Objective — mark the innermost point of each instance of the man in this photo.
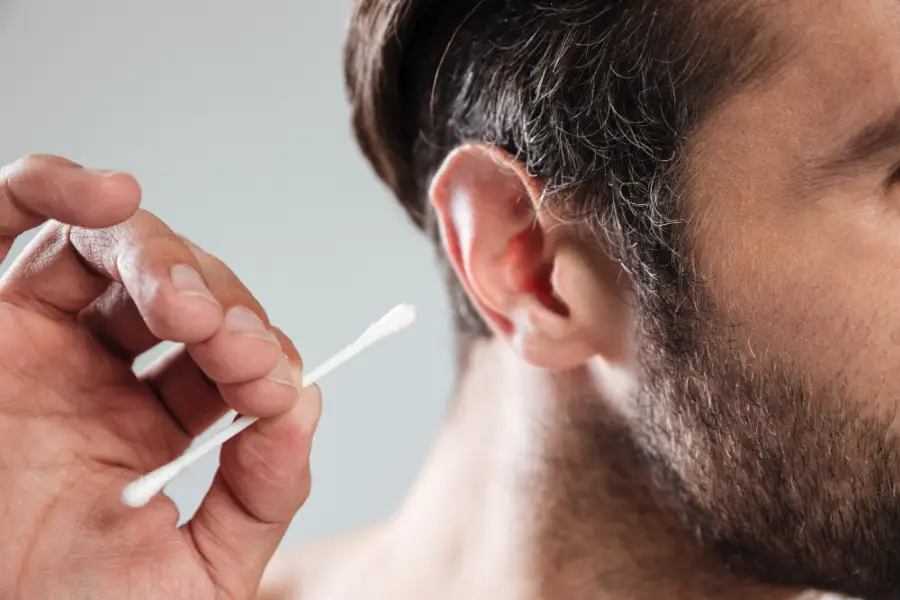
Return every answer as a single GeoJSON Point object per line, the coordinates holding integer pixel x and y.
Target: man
{"type": "Point", "coordinates": [670, 234]}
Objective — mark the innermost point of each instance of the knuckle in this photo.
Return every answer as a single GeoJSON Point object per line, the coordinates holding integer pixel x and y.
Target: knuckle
{"type": "Point", "coordinates": [45, 247]}
{"type": "Point", "coordinates": [96, 246]}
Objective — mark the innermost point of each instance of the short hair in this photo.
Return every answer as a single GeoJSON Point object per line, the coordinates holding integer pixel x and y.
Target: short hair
{"type": "Point", "coordinates": [598, 98]}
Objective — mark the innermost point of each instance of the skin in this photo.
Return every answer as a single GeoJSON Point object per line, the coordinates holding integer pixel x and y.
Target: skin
{"type": "Point", "coordinates": [536, 488]}
{"type": "Point", "coordinates": [102, 283]}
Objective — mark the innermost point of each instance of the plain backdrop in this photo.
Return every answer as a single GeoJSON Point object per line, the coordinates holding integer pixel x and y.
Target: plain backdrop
{"type": "Point", "coordinates": [232, 116]}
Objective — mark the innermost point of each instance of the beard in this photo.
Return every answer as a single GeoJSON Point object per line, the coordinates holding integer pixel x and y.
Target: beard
{"type": "Point", "coordinates": [757, 472]}
{"type": "Point", "coordinates": [777, 476]}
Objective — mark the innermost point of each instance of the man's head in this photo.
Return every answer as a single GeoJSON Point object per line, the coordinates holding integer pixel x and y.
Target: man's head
{"type": "Point", "coordinates": [706, 190]}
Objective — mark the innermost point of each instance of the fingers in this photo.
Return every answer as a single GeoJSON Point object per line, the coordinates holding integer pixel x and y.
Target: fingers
{"type": "Point", "coordinates": [247, 365]}
{"type": "Point", "coordinates": [264, 479]}
{"type": "Point", "coordinates": [36, 188]}
{"type": "Point", "coordinates": [65, 271]}
{"type": "Point", "coordinates": [115, 320]}
{"type": "Point", "coordinates": [188, 395]}
{"type": "Point", "coordinates": [195, 402]}
{"type": "Point", "coordinates": [267, 469]}
{"type": "Point", "coordinates": [246, 357]}
{"type": "Point", "coordinates": [241, 354]}
{"type": "Point", "coordinates": [160, 273]}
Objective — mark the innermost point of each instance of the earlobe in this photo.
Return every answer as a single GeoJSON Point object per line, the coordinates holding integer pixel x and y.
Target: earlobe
{"type": "Point", "coordinates": [511, 256]}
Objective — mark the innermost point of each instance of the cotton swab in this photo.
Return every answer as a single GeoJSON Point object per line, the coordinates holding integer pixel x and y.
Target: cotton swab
{"type": "Point", "coordinates": [141, 491]}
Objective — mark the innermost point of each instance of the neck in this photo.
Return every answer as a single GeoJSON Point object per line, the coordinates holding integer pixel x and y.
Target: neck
{"type": "Point", "coordinates": [516, 503]}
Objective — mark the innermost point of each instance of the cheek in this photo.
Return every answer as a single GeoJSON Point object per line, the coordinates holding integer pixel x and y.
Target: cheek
{"type": "Point", "coordinates": [818, 290]}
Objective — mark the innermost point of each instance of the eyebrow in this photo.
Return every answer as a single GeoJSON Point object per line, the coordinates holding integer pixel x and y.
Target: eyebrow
{"type": "Point", "coordinates": [868, 144]}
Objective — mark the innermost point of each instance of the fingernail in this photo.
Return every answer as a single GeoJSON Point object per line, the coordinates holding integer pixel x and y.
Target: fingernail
{"type": "Point", "coordinates": [310, 407]}
{"type": "Point", "coordinates": [188, 282]}
{"type": "Point", "coordinates": [283, 373]}
{"type": "Point", "coordinates": [243, 321]}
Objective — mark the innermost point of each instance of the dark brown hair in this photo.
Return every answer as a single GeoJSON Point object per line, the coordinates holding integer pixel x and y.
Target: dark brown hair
{"type": "Point", "coordinates": [596, 97]}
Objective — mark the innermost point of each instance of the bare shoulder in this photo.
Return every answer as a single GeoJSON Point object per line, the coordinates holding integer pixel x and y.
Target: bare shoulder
{"type": "Point", "coordinates": [321, 570]}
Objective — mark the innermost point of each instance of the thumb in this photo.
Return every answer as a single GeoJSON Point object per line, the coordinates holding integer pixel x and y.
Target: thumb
{"type": "Point", "coordinates": [263, 479]}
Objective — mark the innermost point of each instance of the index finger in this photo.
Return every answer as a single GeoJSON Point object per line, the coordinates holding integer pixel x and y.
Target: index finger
{"type": "Point", "coordinates": [41, 187]}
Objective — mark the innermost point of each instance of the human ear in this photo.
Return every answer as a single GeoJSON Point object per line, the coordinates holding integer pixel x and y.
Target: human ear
{"type": "Point", "coordinates": [556, 302]}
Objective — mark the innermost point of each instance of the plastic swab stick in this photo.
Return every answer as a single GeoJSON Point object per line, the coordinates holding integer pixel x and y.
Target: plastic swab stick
{"type": "Point", "coordinates": [142, 490]}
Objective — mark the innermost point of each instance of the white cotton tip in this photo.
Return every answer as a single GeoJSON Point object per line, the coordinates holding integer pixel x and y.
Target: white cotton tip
{"type": "Point", "coordinates": [140, 491]}
{"type": "Point", "coordinates": [398, 319]}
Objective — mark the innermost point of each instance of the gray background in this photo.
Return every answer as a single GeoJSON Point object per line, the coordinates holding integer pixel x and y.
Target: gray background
{"type": "Point", "coordinates": [232, 116]}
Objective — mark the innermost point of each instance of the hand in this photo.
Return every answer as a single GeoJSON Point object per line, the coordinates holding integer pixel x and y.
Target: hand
{"type": "Point", "coordinates": [100, 285]}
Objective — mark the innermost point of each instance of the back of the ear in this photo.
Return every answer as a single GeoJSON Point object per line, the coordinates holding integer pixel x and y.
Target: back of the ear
{"type": "Point", "coordinates": [531, 283]}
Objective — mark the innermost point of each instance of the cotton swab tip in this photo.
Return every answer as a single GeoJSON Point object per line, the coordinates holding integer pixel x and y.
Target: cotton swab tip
{"type": "Point", "coordinates": [398, 318]}
{"type": "Point", "coordinates": [139, 492]}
